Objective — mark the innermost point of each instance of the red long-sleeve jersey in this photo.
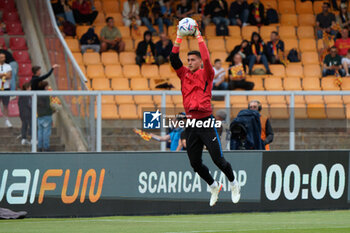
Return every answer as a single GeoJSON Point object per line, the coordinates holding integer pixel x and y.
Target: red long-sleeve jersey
{"type": "Point", "coordinates": [195, 87]}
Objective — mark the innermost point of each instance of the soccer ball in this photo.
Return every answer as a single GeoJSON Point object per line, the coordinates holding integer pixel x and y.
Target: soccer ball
{"type": "Point", "coordinates": [187, 26]}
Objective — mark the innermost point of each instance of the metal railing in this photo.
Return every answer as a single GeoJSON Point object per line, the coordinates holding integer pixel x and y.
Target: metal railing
{"type": "Point", "coordinates": [163, 94]}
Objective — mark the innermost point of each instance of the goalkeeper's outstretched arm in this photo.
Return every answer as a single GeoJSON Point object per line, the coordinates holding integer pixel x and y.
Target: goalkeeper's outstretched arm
{"type": "Point", "coordinates": [175, 60]}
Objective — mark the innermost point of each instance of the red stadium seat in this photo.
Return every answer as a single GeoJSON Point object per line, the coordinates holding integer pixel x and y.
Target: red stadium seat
{"type": "Point", "coordinates": [14, 29]}
{"type": "Point", "coordinates": [24, 69]}
{"type": "Point", "coordinates": [13, 108]}
{"type": "Point", "coordinates": [21, 56]}
{"type": "Point", "coordinates": [2, 43]}
{"type": "Point", "coordinates": [10, 17]}
{"type": "Point", "coordinates": [8, 5]}
{"type": "Point", "coordinates": [23, 80]}
{"type": "Point", "coordinates": [18, 43]}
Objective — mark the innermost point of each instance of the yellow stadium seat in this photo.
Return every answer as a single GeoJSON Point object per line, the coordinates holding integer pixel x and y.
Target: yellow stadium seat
{"type": "Point", "coordinates": [73, 45]}
{"type": "Point", "coordinates": [239, 99]}
{"type": "Point", "coordinates": [184, 45]}
{"type": "Point", "coordinates": [210, 31]}
{"type": "Point", "coordinates": [298, 99]}
{"type": "Point", "coordinates": [247, 32]}
{"type": "Point", "coordinates": [292, 84]}
{"type": "Point", "coordinates": [124, 99]}
{"type": "Point", "coordinates": [144, 107]}
{"type": "Point", "coordinates": [127, 111]}
{"type": "Point", "coordinates": [311, 84]}
{"type": "Point", "coordinates": [346, 99]}
{"type": "Point", "coordinates": [273, 84]}
{"type": "Point", "coordinates": [150, 71]}
{"type": "Point", "coordinates": [306, 32]}
{"type": "Point", "coordinates": [236, 108]}
{"type": "Point", "coordinates": [316, 111]}
{"type": "Point", "coordinates": [328, 84]}
{"type": "Point", "coordinates": [166, 71]}
{"type": "Point", "coordinates": [307, 20]}
{"type": "Point", "coordinates": [286, 7]}
{"type": "Point", "coordinates": [304, 7]}
{"type": "Point", "coordinates": [290, 44]}
{"type": "Point", "coordinates": [107, 99]}
{"type": "Point", "coordinates": [314, 99]}
{"type": "Point", "coordinates": [176, 82]}
{"type": "Point", "coordinates": [287, 32]}
{"type": "Point", "coordinates": [143, 99]}
{"type": "Point", "coordinates": [108, 112]}
{"type": "Point", "coordinates": [168, 100]}
{"type": "Point", "coordinates": [279, 111]}
{"type": "Point", "coordinates": [78, 58]}
{"type": "Point", "coordinates": [218, 55]}
{"type": "Point", "coordinates": [111, 6]}
{"type": "Point", "coordinates": [231, 43]}
{"type": "Point", "coordinates": [312, 70]}
{"type": "Point", "coordinates": [270, 4]}
{"type": "Point", "coordinates": [294, 70]}
{"type": "Point", "coordinates": [300, 111]}
{"type": "Point", "coordinates": [114, 71]}
{"type": "Point", "coordinates": [139, 33]}
{"type": "Point", "coordinates": [98, 29]}
{"type": "Point", "coordinates": [121, 84]}
{"type": "Point", "coordinates": [278, 70]}
{"type": "Point", "coordinates": [345, 84]}
{"type": "Point", "coordinates": [129, 45]}
{"type": "Point", "coordinates": [218, 105]}
{"type": "Point", "coordinates": [261, 98]}
{"type": "Point", "coordinates": [318, 7]}
{"type": "Point", "coordinates": [234, 32]}
{"type": "Point", "coordinates": [276, 99]}
{"type": "Point", "coordinates": [100, 84]}
{"type": "Point", "coordinates": [125, 31]}
{"type": "Point", "coordinates": [83, 69]}
{"type": "Point", "coordinates": [98, 6]}
{"type": "Point", "coordinates": [100, 19]}
{"type": "Point", "coordinates": [193, 45]}
{"type": "Point", "coordinates": [265, 32]}
{"type": "Point", "coordinates": [127, 58]}
{"type": "Point", "coordinates": [131, 71]}
{"type": "Point", "coordinates": [80, 30]}
{"type": "Point", "coordinates": [172, 32]}
{"type": "Point", "coordinates": [216, 45]}
{"type": "Point", "coordinates": [335, 111]}
{"type": "Point", "coordinates": [289, 20]}
{"type": "Point", "coordinates": [109, 58]}
{"type": "Point", "coordinates": [95, 71]}
{"type": "Point", "coordinates": [333, 99]}
{"type": "Point", "coordinates": [91, 58]}
{"type": "Point", "coordinates": [307, 45]}
{"type": "Point", "coordinates": [139, 84]}
{"type": "Point", "coordinates": [309, 58]}
{"type": "Point", "coordinates": [177, 99]}
{"type": "Point", "coordinates": [258, 83]}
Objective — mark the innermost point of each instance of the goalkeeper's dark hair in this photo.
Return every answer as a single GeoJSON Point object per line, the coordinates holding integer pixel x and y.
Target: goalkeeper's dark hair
{"type": "Point", "coordinates": [194, 52]}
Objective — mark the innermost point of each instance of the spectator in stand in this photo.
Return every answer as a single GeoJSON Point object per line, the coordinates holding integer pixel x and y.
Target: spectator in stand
{"type": "Point", "coordinates": [184, 9]}
{"type": "Point", "coordinates": [236, 75]}
{"type": "Point", "coordinates": [167, 13]}
{"type": "Point", "coordinates": [343, 43]}
{"type": "Point", "coordinates": [219, 12]}
{"type": "Point", "coordinates": [332, 64]}
{"type": "Point", "coordinates": [90, 41]}
{"type": "Point", "coordinates": [275, 49]}
{"type": "Point", "coordinates": [111, 38]}
{"type": "Point", "coordinates": [239, 13]}
{"type": "Point", "coordinates": [63, 9]}
{"type": "Point", "coordinates": [203, 11]}
{"type": "Point", "coordinates": [243, 50]}
{"type": "Point", "coordinates": [346, 63]}
{"type": "Point", "coordinates": [343, 19]}
{"type": "Point", "coordinates": [256, 13]}
{"type": "Point", "coordinates": [146, 51]}
{"type": "Point", "coordinates": [37, 78]}
{"type": "Point", "coordinates": [44, 119]}
{"type": "Point", "coordinates": [131, 11]}
{"type": "Point", "coordinates": [14, 67]}
{"type": "Point", "coordinates": [5, 83]}
{"type": "Point", "coordinates": [163, 49]}
{"type": "Point", "coordinates": [25, 113]}
{"type": "Point", "coordinates": [224, 130]}
{"type": "Point", "coordinates": [257, 53]}
{"type": "Point", "coordinates": [324, 20]}
{"type": "Point", "coordinates": [219, 76]}
{"type": "Point", "coordinates": [83, 13]}
{"type": "Point", "coordinates": [150, 14]}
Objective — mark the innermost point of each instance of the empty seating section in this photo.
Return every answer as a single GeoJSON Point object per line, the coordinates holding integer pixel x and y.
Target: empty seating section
{"type": "Point", "coordinates": [113, 71]}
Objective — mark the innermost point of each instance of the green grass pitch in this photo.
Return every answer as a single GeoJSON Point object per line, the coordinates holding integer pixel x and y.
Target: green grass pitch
{"type": "Point", "coordinates": [291, 222]}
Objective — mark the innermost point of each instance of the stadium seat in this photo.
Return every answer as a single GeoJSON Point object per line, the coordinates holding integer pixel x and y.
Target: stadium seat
{"type": "Point", "coordinates": [23, 80]}
{"type": "Point", "coordinates": [265, 32]}
{"type": "Point", "coordinates": [178, 101]}
{"type": "Point", "coordinates": [236, 108]}
{"type": "Point", "coordinates": [311, 84]}
{"type": "Point", "coordinates": [24, 69]}
{"type": "Point", "coordinates": [278, 70]}
{"type": "Point", "coordinates": [166, 71]}
{"type": "Point", "coordinates": [95, 71]}
{"type": "Point", "coordinates": [328, 84]}
{"type": "Point", "coordinates": [318, 7]}
{"type": "Point", "coordinates": [13, 110]}
{"type": "Point", "coordinates": [107, 99]}
{"type": "Point", "coordinates": [287, 32]}
{"type": "Point", "coordinates": [8, 5]}
{"type": "Point", "coordinates": [262, 99]}
{"type": "Point", "coordinates": [144, 107]}
{"type": "Point", "coordinates": [101, 18]}
{"type": "Point", "coordinates": [139, 33]}
{"type": "Point", "coordinates": [290, 44]}
{"type": "Point", "coordinates": [294, 70]}
{"type": "Point", "coordinates": [18, 43]}
{"type": "Point", "coordinates": [314, 99]}
{"type": "Point", "coordinates": [176, 82]}
{"type": "Point", "coordinates": [127, 58]}
{"type": "Point", "coordinates": [316, 111]}
{"type": "Point", "coordinates": [300, 111]}
{"type": "Point", "coordinates": [289, 20]}
{"type": "Point", "coordinates": [168, 100]}
{"type": "Point", "coordinates": [83, 69]}
{"type": "Point", "coordinates": [346, 100]}
{"type": "Point", "coordinates": [345, 84]}
{"type": "Point", "coordinates": [333, 99]}
{"type": "Point", "coordinates": [234, 32]}
{"type": "Point", "coordinates": [91, 58]}
{"type": "Point", "coordinates": [131, 71]}
{"type": "Point", "coordinates": [110, 7]}
{"type": "Point", "coordinates": [3, 43]}
{"type": "Point", "coordinates": [113, 71]}
{"type": "Point", "coordinates": [81, 30]}
{"type": "Point", "coordinates": [101, 84]}
{"type": "Point", "coordinates": [108, 112]}
{"type": "Point", "coordinates": [129, 45]}
{"type": "Point", "coordinates": [150, 71]}
{"type": "Point", "coordinates": [273, 84]}
{"type": "Point", "coordinates": [304, 7]}
{"type": "Point", "coordinates": [127, 111]}
{"type": "Point", "coordinates": [247, 32]}
{"type": "Point", "coordinates": [258, 83]}
{"type": "Point", "coordinates": [10, 17]}
{"type": "Point", "coordinates": [109, 58]}
{"type": "Point", "coordinates": [193, 45]}
{"type": "Point", "coordinates": [14, 28]}
{"type": "Point", "coordinates": [218, 55]}
{"type": "Point", "coordinates": [139, 84]}
{"type": "Point", "coordinates": [312, 70]}
{"type": "Point", "coordinates": [239, 99]}
{"type": "Point", "coordinates": [270, 4]}
{"type": "Point", "coordinates": [120, 84]}
{"type": "Point", "coordinates": [306, 32]}
{"type": "Point", "coordinates": [172, 32]}
{"type": "Point", "coordinates": [78, 58]}
{"type": "Point", "coordinates": [309, 58]}
{"type": "Point", "coordinates": [21, 56]}
{"type": "Point", "coordinates": [276, 99]}
{"type": "Point", "coordinates": [307, 20]}
{"type": "Point", "coordinates": [73, 45]}
{"type": "Point", "coordinates": [231, 43]}
{"type": "Point", "coordinates": [335, 111]}
{"type": "Point", "coordinates": [292, 84]}
{"type": "Point", "coordinates": [298, 99]}
{"type": "Point", "coordinates": [307, 45]}
{"type": "Point", "coordinates": [143, 99]}
{"type": "Point", "coordinates": [286, 7]}
{"type": "Point", "coordinates": [124, 99]}
{"type": "Point", "coordinates": [279, 111]}
{"type": "Point", "coordinates": [218, 105]}
{"type": "Point", "coordinates": [216, 45]}
{"type": "Point", "coordinates": [210, 31]}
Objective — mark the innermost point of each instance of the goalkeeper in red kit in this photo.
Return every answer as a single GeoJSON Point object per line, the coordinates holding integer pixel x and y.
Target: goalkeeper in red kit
{"type": "Point", "coordinates": [196, 86]}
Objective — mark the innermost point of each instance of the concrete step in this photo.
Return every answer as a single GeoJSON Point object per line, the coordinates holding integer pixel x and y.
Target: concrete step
{"type": "Point", "coordinates": [27, 148]}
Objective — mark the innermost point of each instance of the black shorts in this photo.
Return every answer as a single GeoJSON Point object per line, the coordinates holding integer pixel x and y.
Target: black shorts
{"type": "Point", "coordinates": [5, 99]}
